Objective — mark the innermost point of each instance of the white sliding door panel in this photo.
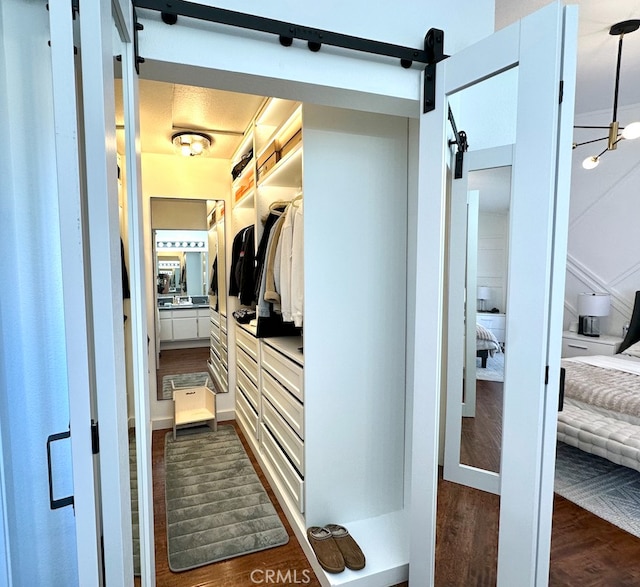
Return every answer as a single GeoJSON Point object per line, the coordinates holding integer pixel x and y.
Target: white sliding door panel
{"type": "Point", "coordinates": [96, 31]}
{"type": "Point", "coordinates": [73, 282]}
{"type": "Point", "coordinates": [138, 314]}
{"type": "Point", "coordinates": [521, 63]}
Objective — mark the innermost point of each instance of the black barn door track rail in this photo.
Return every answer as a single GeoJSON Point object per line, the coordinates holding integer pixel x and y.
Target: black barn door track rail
{"type": "Point", "coordinates": [315, 38]}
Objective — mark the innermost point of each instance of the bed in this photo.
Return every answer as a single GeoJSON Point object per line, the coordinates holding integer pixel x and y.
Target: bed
{"type": "Point", "coordinates": [601, 408]}
{"type": "Point", "coordinates": [486, 344]}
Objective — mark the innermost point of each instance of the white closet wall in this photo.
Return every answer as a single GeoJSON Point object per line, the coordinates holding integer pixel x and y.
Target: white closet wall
{"type": "Point", "coordinates": [355, 184]}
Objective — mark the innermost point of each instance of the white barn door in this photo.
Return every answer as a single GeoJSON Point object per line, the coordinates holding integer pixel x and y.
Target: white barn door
{"type": "Point", "coordinates": [535, 54]}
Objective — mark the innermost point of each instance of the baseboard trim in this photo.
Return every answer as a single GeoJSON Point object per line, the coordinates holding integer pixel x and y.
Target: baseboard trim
{"type": "Point", "coordinates": [167, 423]}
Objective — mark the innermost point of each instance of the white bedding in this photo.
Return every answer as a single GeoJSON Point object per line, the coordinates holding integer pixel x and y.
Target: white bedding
{"type": "Point", "coordinates": [602, 407]}
{"type": "Point", "coordinates": [486, 340]}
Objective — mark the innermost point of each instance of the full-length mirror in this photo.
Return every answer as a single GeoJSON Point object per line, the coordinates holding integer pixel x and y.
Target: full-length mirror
{"type": "Point", "coordinates": [488, 201]}
{"type": "Point", "coordinates": [189, 268]}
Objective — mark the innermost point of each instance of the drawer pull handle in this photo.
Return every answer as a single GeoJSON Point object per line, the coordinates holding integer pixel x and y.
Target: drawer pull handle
{"type": "Point", "coordinates": [577, 346]}
{"type": "Point", "coordinates": [190, 393]}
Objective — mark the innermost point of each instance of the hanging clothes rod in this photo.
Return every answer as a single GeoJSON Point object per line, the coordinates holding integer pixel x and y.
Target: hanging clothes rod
{"type": "Point", "coordinates": [287, 32]}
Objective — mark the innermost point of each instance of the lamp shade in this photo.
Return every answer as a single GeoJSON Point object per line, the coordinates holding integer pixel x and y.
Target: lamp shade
{"type": "Point", "coordinates": [483, 292]}
{"type": "Point", "coordinates": [594, 304]}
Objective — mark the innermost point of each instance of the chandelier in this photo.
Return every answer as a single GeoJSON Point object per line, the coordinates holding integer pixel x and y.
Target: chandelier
{"type": "Point", "coordinates": [616, 132]}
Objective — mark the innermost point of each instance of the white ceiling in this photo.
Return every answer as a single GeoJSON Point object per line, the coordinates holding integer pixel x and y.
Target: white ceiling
{"type": "Point", "coordinates": [597, 49]}
{"type": "Point", "coordinates": [166, 108]}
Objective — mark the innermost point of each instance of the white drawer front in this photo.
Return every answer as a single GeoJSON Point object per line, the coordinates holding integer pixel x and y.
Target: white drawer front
{"type": "Point", "coordinates": [286, 404]}
{"type": "Point", "coordinates": [287, 372]}
{"type": "Point", "coordinates": [244, 412]}
{"type": "Point", "coordinates": [247, 342]}
{"type": "Point", "coordinates": [248, 365]}
{"type": "Point", "coordinates": [289, 478]}
{"type": "Point", "coordinates": [214, 316]}
{"type": "Point", "coordinates": [287, 438]}
{"type": "Point", "coordinates": [192, 313]}
{"type": "Point", "coordinates": [576, 348]}
{"type": "Point", "coordinates": [248, 387]}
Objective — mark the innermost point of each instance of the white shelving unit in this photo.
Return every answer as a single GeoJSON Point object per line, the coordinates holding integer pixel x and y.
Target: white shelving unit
{"type": "Point", "coordinates": [302, 414]}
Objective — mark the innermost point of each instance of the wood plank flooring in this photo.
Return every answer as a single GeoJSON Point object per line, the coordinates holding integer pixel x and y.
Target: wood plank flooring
{"type": "Point", "coordinates": [586, 550]}
{"type": "Point", "coordinates": [175, 361]}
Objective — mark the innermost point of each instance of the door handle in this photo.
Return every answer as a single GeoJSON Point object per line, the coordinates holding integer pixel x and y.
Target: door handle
{"type": "Point", "coordinates": [561, 391]}
{"type": "Point", "coordinates": [55, 504]}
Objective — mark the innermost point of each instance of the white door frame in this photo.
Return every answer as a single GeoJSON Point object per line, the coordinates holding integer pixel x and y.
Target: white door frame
{"type": "Point", "coordinates": [138, 317]}
{"type": "Point", "coordinates": [107, 336]}
{"type": "Point", "coordinates": [528, 421]}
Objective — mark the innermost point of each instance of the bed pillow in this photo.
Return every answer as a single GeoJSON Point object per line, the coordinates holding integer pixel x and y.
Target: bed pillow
{"type": "Point", "coordinates": [633, 350]}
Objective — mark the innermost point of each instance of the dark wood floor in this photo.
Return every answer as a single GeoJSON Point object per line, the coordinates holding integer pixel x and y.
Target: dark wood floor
{"type": "Point", "coordinates": [586, 551]}
{"type": "Point", "coordinates": [175, 361]}
{"type": "Point", "coordinates": [482, 434]}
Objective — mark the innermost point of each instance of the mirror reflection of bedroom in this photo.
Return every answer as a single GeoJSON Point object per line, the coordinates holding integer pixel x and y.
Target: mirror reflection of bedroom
{"type": "Point", "coordinates": [486, 276]}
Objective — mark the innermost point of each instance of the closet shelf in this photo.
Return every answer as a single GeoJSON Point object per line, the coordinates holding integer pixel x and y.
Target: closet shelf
{"type": "Point", "coordinates": [287, 172]}
{"type": "Point", "coordinates": [246, 200]}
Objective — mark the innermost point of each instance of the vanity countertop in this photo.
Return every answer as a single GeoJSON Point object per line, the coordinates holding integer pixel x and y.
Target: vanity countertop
{"type": "Point", "coordinates": [181, 306]}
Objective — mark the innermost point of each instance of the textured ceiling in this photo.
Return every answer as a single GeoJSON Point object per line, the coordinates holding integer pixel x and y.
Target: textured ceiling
{"type": "Point", "coordinates": [167, 108]}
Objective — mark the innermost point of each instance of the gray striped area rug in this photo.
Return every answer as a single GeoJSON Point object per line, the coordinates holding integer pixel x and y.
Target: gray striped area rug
{"type": "Point", "coordinates": [610, 491]}
{"type": "Point", "coordinates": [217, 507]}
{"type": "Point", "coordinates": [182, 380]}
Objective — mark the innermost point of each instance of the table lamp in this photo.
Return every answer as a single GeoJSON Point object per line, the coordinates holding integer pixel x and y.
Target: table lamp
{"type": "Point", "coordinates": [590, 307]}
{"type": "Point", "coordinates": [483, 294]}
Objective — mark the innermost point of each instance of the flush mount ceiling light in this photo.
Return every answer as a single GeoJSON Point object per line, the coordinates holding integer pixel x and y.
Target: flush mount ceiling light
{"type": "Point", "coordinates": [191, 144]}
{"type": "Point", "coordinates": [616, 133]}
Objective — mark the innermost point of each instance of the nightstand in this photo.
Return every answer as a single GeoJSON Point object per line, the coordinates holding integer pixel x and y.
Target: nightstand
{"type": "Point", "coordinates": [574, 344]}
{"type": "Point", "coordinates": [496, 323]}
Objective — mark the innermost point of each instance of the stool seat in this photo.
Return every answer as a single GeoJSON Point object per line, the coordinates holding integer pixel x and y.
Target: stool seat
{"type": "Point", "coordinates": [193, 406]}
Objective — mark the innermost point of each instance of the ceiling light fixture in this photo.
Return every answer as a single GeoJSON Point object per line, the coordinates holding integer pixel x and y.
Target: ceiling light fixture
{"type": "Point", "coordinates": [616, 133]}
{"type": "Point", "coordinates": [190, 143]}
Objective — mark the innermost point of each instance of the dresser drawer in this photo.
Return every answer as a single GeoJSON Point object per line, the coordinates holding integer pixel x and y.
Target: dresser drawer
{"type": "Point", "coordinates": [247, 342]}
{"type": "Point", "coordinates": [248, 365]}
{"type": "Point", "coordinates": [287, 476]}
{"type": "Point", "coordinates": [248, 387]}
{"type": "Point", "coordinates": [287, 405]}
{"type": "Point", "coordinates": [223, 339]}
{"type": "Point", "coordinates": [214, 317]}
{"type": "Point", "coordinates": [572, 347]}
{"type": "Point", "coordinates": [246, 414]}
{"type": "Point", "coordinates": [286, 437]}
{"type": "Point", "coordinates": [288, 373]}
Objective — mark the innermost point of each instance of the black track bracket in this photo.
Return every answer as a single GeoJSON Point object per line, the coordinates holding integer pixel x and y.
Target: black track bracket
{"type": "Point", "coordinates": [434, 49]}
{"type": "Point", "coordinates": [462, 144]}
{"type": "Point", "coordinates": [137, 26]}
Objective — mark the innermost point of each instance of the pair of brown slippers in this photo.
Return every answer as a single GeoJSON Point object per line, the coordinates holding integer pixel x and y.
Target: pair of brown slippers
{"type": "Point", "coordinates": [335, 548]}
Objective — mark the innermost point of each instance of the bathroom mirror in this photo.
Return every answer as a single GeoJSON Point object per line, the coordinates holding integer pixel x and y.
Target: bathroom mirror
{"type": "Point", "coordinates": [182, 264]}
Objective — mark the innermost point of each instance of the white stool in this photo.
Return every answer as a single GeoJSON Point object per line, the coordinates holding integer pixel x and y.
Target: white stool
{"type": "Point", "coordinates": [194, 405]}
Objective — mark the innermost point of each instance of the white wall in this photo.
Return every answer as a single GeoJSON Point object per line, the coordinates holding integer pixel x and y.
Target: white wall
{"type": "Point", "coordinates": [604, 239]}
{"type": "Point", "coordinates": [33, 396]}
{"type": "Point", "coordinates": [493, 250]}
